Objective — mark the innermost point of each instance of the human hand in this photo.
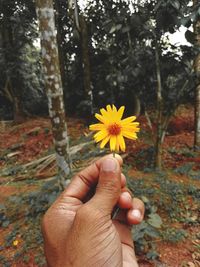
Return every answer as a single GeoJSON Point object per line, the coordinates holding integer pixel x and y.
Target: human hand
{"type": "Point", "coordinates": [78, 228]}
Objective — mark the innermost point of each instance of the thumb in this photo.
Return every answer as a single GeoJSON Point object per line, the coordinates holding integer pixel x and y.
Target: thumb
{"type": "Point", "coordinates": [109, 185]}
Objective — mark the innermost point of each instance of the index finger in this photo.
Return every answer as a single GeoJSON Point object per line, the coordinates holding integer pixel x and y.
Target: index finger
{"type": "Point", "coordinates": [82, 182]}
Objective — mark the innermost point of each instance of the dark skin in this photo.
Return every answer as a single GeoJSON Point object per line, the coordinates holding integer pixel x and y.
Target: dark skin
{"type": "Point", "coordinates": [78, 228]}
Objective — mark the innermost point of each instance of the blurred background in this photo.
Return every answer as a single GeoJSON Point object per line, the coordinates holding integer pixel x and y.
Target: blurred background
{"type": "Point", "coordinates": [57, 69]}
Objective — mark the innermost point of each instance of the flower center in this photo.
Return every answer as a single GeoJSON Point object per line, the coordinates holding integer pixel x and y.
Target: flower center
{"type": "Point", "coordinates": [114, 129]}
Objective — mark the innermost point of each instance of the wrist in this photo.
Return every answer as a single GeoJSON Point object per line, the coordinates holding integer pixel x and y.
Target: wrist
{"type": "Point", "coordinates": [129, 256]}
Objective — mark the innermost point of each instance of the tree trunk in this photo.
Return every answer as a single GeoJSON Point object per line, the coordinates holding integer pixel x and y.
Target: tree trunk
{"type": "Point", "coordinates": [197, 91]}
{"type": "Point", "coordinates": [7, 41]}
{"type": "Point", "coordinates": [158, 148]}
{"type": "Point", "coordinates": [81, 26]}
{"type": "Point", "coordinates": [136, 106]}
{"type": "Point", "coordinates": [53, 85]}
{"type": "Point", "coordinates": [60, 41]}
{"type": "Point", "coordinates": [86, 62]}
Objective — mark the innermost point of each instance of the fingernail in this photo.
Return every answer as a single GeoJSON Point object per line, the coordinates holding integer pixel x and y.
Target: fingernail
{"type": "Point", "coordinates": [136, 214]}
{"type": "Point", "coordinates": [126, 196]}
{"type": "Point", "coordinates": [109, 165]}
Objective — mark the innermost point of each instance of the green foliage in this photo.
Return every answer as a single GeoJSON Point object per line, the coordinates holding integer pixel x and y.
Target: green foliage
{"type": "Point", "coordinates": [189, 153]}
{"type": "Point", "coordinates": [4, 221]}
{"type": "Point", "coordinates": [154, 220]}
{"type": "Point", "coordinates": [21, 76]}
{"type": "Point", "coordinates": [31, 207]}
{"type": "Point", "coordinates": [152, 255]}
{"type": "Point", "coordinates": [26, 259]}
{"type": "Point", "coordinates": [5, 262]}
{"type": "Point", "coordinates": [149, 229]}
{"type": "Point", "coordinates": [121, 45]}
{"type": "Point", "coordinates": [194, 175]}
{"type": "Point", "coordinates": [185, 169]}
{"type": "Point", "coordinates": [162, 195]}
{"type": "Point", "coordinates": [144, 159]}
{"type": "Point", "coordinates": [11, 237]}
{"type": "Point", "coordinates": [174, 235]}
{"type": "Point", "coordinates": [38, 202]}
{"type": "Point", "coordinates": [145, 233]}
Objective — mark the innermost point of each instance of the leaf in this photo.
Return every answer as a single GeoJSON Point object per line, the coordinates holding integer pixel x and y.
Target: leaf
{"type": "Point", "coordinates": [186, 22]}
{"type": "Point", "coordinates": [5, 223]}
{"type": "Point", "coordinates": [115, 28]}
{"type": "Point", "coordinates": [118, 27]}
{"type": "Point", "coordinates": [138, 231]}
{"type": "Point", "coordinates": [151, 231]}
{"type": "Point", "coordinates": [152, 255]}
{"type": "Point", "coordinates": [184, 169]}
{"type": "Point", "coordinates": [175, 4]}
{"type": "Point", "coordinates": [190, 36]}
{"type": "Point", "coordinates": [155, 220]}
{"type": "Point", "coordinates": [112, 29]}
{"type": "Point", "coordinates": [145, 199]}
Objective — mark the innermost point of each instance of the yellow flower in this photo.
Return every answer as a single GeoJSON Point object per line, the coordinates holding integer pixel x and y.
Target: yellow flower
{"type": "Point", "coordinates": [15, 243]}
{"type": "Point", "coordinates": [112, 128]}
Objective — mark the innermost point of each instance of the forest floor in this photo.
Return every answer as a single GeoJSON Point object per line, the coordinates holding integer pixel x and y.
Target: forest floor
{"type": "Point", "coordinates": [26, 184]}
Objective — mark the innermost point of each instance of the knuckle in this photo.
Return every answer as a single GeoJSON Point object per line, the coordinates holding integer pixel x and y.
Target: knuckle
{"type": "Point", "coordinates": [45, 222]}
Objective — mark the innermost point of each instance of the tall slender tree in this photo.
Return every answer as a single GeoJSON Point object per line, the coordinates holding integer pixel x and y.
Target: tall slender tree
{"type": "Point", "coordinates": [158, 144]}
{"type": "Point", "coordinates": [197, 72]}
{"type": "Point", "coordinates": [53, 84]}
{"type": "Point", "coordinates": [86, 62]}
{"type": "Point", "coordinates": [82, 28]}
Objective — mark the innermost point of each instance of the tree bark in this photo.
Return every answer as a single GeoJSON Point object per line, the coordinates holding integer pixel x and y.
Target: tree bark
{"type": "Point", "coordinates": [7, 41]}
{"type": "Point", "coordinates": [136, 106]}
{"type": "Point", "coordinates": [60, 41]}
{"type": "Point", "coordinates": [197, 91]}
{"type": "Point", "coordinates": [158, 148]}
{"type": "Point", "coordinates": [53, 85]}
{"type": "Point", "coordinates": [81, 26]}
{"type": "Point", "coordinates": [86, 62]}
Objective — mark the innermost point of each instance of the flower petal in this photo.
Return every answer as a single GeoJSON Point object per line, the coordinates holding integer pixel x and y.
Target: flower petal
{"type": "Point", "coordinates": [103, 112]}
{"type": "Point", "coordinates": [129, 135]}
{"type": "Point", "coordinates": [109, 109]}
{"type": "Point", "coordinates": [120, 140]}
{"type": "Point", "coordinates": [106, 114]}
{"type": "Point", "coordinates": [117, 147]}
{"type": "Point", "coordinates": [104, 142]}
{"type": "Point", "coordinates": [100, 118]}
{"type": "Point", "coordinates": [114, 108]}
{"type": "Point", "coordinates": [135, 124]}
{"type": "Point", "coordinates": [131, 129]}
{"type": "Point", "coordinates": [113, 141]}
{"type": "Point", "coordinates": [128, 120]}
{"type": "Point", "coordinates": [100, 135]}
{"type": "Point", "coordinates": [96, 127]}
{"type": "Point", "coordinates": [121, 112]}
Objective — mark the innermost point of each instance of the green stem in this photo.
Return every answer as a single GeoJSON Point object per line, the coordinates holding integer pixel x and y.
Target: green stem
{"type": "Point", "coordinates": [115, 213]}
{"type": "Point", "coordinates": [117, 209]}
